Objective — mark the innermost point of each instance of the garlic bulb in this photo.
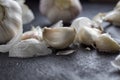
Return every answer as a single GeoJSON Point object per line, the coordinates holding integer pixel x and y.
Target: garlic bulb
{"type": "Point", "coordinates": [116, 62]}
{"type": "Point", "coordinates": [105, 43]}
{"type": "Point", "coordinates": [29, 48]}
{"type": "Point", "coordinates": [27, 14]}
{"type": "Point", "coordinates": [10, 24]}
{"type": "Point", "coordinates": [60, 37]}
{"type": "Point", "coordinates": [56, 10]}
{"type": "Point", "coordinates": [35, 33]}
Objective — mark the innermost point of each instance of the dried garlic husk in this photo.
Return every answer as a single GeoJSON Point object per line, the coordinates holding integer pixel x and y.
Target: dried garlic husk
{"type": "Point", "coordinates": [59, 37]}
{"type": "Point", "coordinates": [116, 62]}
{"type": "Point", "coordinates": [34, 33]}
{"type": "Point", "coordinates": [29, 48]}
{"type": "Point", "coordinates": [10, 24]}
{"type": "Point", "coordinates": [105, 43]}
{"type": "Point", "coordinates": [58, 24]}
{"type": "Point", "coordinates": [27, 14]}
{"type": "Point", "coordinates": [117, 7]}
{"type": "Point", "coordinates": [56, 10]}
{"type": "Point", "coordinates": [88, 35]}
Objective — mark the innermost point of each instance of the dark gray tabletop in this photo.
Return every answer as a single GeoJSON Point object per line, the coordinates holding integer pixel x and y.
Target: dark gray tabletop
{"type": "Point", "coordinates": [82, 65]}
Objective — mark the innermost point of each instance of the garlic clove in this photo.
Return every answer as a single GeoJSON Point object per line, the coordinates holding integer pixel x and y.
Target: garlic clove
{"type": "Point", "coordinates": [60, 37]}
{"type": "Point", "coordinates": [56, 10]}
{"type": "Point", "coordinates": [27, 14]}
{"type": "Point", "coordinates": [105, 43]}
{"type": "Point", "coordinates": [113, 17]}
{"type": "Point", "coordinates": [35, 33]}
{"type": "Point", "coordinates": [11, 24]}
{"type": "Point", "coordinates": [117, 7]}
{"type": "Point", "coordinates": [29, 48]}
{"type": "Point", "coordinates": [88, 35]}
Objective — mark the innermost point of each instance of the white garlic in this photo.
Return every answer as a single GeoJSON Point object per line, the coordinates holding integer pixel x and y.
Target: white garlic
{"type": "Point", "coordinates": [88, 35]}
{"type": "Point", "coordinates": [10, 24]}
{"type": "Point", "coordinates": [116, 62]}
{"type": "Point", "coordinates": [113, 17]}
{"type": "Point", "coordinates": [58, 24]}
{"type": "Point", "coordinates": [105, 43]}
{"type": "Point", "coordinates": [117, 7]}
{"type": "Point", "coordinates": [34, 33]}
{"type": "Point", "coordinates": [84, 28]}
{"type": "Point", "coordinates": [59, 37]}
{"type": "Point", "coordinates": [56, 10]}
{"type": "Point", "coordinates": [29, 48]}
{"type": "Point", "coordinates": [27, 14]}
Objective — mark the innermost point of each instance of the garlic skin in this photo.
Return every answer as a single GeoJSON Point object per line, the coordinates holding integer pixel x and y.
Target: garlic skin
{"type": "Point", "coordinates": [11, 24]}
{"type": "Point", "coordinates": [105, 43]}
{"type": "Point", "coordinates": [60, 37]}
{"type": "Point", "coordinates": [117, 7]}
{"type": "Point", "coordinates": [56, 10]}
{"type": "Point", "coordinates": [35, 33]}
{"type": "Point", "coordinates": [116, 63]}
{"type": "Point", "coordinates": [29, 48]}
{"type": "Point", "coordinates": [27, 14]}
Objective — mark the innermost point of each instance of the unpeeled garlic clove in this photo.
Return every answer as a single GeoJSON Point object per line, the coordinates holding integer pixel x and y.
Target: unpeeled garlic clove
{"type": "Point", "coordinates": [60, 37]}
{"type": "Point", "coordinates": [88, 35]}
{"type": "Point", "coordinates": [105, 43]}
{"type": "Point", "coordinates": [27, 14]}
{"type": "Point", "coordinates": [29, 48]}
{"type": "Point", "coordinates": [10, 24]}
{"type": "Point", "coordinates": [56, 10]}
{"type": "Point", "coordinates": [113, 17]}
{"type": "Point", "coordinates": [35, 33]}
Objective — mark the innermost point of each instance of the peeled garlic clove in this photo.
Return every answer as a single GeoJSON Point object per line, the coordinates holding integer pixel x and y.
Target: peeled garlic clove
{"type": "Point", "coordinates": [88, 35]}
{"type": "Point", "coordinates": [60, 37]}
{"type": "Point", "coordinates": [10, 24]}
{"type": "Point", "coordinates": [56, 10]}
{"type": "Point", "coordinates": [105, 43]}
{"type": "Point", "coordinates": [29, 48]}
{"type": "Point", "coordinates": [113, 17]}
{"type": "Point", "coordinates": [116, 62]}
{"type": "Point", "coordinates": [27, 14]}
{"type": "Point", "coordinates": [35, 33]}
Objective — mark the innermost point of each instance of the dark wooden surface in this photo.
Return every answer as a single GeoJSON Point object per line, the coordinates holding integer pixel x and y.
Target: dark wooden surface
{"type": "Point", "coordinates": [82, 65]}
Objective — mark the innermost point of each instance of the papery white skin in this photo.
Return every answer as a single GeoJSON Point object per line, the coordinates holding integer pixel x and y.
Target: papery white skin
{"type": "Point", "coordinates": [105, 43]}
{"type": "Point", "coordinates": [58, 24]}
{"type": "Point", "coordinates": [60, 37]}
{"type": "Point", "coordinates": [35, 33]}
{"type": "Point", "coordinates": [56, 10]}
{"type": "Point", "coordinates": [117, 7]}
{"type": "Point", "coordinates": [29, 48]}
{"type": "Point", "coordinates": [11, 24]}
{"type": "Point", "coordinates": [27, 14]}
{"type": "Point", "coordinates": [116, 62]}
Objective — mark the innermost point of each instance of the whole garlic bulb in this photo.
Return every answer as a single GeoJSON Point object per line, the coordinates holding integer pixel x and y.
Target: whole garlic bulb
{"type": "Point", "coordinates": [56, 10]}
{"type": "Point", "coordinates": [27, 14]}
{"type": "Point", "coordinates": [59, 37]}
{"type": "Point", "coordinates": [29, 48]}
{"type": "Point", "coordinates": [10, 24]}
